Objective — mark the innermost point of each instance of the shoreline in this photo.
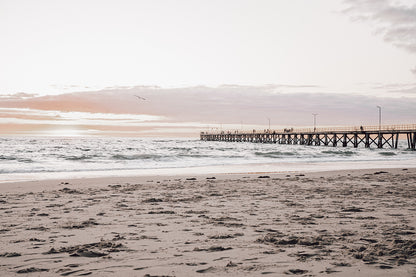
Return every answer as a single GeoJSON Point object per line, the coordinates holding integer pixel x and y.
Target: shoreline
{"type": "Point", "coordinates": [250, 168]}
{"type": "Point", "coordinates": [343, 223]}
{"type": "Point", "coordinates": [53, 183]}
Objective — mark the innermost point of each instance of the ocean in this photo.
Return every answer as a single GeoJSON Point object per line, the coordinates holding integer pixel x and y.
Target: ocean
{"type": "Point", "coordinates": [23, 158]}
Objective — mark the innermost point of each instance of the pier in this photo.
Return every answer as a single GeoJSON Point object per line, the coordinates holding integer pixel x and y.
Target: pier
{"type": "Point", "coordinates": [367, 136]}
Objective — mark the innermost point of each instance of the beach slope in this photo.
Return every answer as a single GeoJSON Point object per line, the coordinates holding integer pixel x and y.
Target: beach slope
{"type": "Point", "coordinates": [338, 223]}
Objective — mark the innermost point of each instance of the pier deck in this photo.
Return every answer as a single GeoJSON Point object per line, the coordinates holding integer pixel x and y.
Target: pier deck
{"type": "Point", "coordinates": [368, 136]}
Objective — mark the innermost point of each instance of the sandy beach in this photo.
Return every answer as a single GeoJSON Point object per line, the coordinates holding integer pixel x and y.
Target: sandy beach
{"type": "Point", "coordinates": [337, 223]}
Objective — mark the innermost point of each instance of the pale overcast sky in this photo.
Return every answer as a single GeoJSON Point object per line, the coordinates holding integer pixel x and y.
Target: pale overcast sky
{"type": "Point", "coordinates": [50, 46]}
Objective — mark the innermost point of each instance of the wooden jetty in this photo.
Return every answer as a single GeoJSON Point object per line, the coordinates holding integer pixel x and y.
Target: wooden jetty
{"type": "Point", "coordinates": [367, 136]}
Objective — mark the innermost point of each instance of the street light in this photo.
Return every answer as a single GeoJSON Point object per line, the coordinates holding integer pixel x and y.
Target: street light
{"type": "Point", "coordinates": [314, 121]}
{"type": "Point", "coordinates": [380, 143]}
{"type": "Point", "coordinates": [269, 123]}
{"type": "Point", "coordinates": [379, 119]}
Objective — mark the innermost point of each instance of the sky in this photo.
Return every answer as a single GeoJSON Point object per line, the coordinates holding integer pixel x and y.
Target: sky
{"type": "Point", "coordinates": [73, 67]}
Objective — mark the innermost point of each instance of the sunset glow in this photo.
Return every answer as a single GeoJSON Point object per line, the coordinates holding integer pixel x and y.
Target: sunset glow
{"type": "Point", "coordinates": [74, 67]}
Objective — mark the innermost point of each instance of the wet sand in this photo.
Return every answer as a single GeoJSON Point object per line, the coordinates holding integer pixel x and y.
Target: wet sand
{"type": "Point", "coordinates": [338, 223]}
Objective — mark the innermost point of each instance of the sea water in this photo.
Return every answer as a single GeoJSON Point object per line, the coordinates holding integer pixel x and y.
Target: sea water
{"type": "Point", "coordinates": [23, 158]}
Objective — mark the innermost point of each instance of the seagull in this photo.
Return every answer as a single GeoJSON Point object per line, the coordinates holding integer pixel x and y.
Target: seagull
{"type": "Point", "coordinates": [140, 98]}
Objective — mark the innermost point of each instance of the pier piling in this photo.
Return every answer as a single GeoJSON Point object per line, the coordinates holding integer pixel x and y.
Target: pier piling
{"type": "Point", "coordinates": [368, 136]}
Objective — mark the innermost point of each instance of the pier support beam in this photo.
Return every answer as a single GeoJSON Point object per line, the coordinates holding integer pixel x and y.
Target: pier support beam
{"type": "Point", "coordinates": [369, 137]}
{"type": "Point", "coordinates": [355, 140]}
{"type": "Point", "coordinates": [397, 141]}
{"type": "Point", "coordinates": [309, 142]}
{"type": "Point", "coordinates": [414, 141]}
{"type": "Point", "coordinates": [411, 140]}
{"type": "Point", "coordinates": [344, 141]}
{"type": "Point", "coordinates": [380, 141]}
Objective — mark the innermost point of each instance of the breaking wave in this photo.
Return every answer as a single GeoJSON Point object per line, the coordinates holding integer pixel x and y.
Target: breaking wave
{"type": "Point", "coordinates": [94, 154]}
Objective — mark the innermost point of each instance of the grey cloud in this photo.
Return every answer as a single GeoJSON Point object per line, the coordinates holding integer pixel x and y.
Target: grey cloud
{"type": "Point", "coordinates": [397, 89]}
{"type": "Point", "coordinates": [234, 104]}
{"type": "Point", "coordinates": [409, 91]}
{"type": "Point", "coordinates": [402, 37]}
{"type": "Point", "coordinates": [19, 95]}
{"type": "Point", "coordinates": [397, 23]}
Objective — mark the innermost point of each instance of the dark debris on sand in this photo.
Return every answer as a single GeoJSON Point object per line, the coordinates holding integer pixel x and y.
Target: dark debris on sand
{"type": "Point", "coordinates": [82, 225]}
{"type": "Point", "coordinates": [152, 200]}
{"type": "Point", "coordinates": [31, 270]}
{"type": "Point", "coordinates": [279, 239]}
{"type": "Point", "coordinates": [396, 252]}
{"type": "Point", "coordinates": [213, 249]}
{"type": "Point", "coordinates": [70, 191]}
{"type": "Point", "coordinates": [296, 271]}
{"type": "Point", "coordinates": [10, 254]}
{"type": "Point", "coordinates": [90, 250]}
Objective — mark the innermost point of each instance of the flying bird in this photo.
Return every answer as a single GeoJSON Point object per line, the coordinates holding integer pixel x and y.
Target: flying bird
{"type": "Point", "coordinates": [140, 98]}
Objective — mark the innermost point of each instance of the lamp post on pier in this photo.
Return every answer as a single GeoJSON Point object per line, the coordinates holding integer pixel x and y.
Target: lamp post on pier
{"type": "Point", "coordinates": [379, 118]}
{"type": "Point", "coordinates": [379, 127]}
{"type": "Point", "coordinates": [314, 121]}
{"type": "Point", "coordinates": [269, 123]}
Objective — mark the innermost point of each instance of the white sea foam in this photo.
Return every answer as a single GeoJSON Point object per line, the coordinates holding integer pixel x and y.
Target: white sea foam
{"type": "Point", "coordinates": [45, 157]}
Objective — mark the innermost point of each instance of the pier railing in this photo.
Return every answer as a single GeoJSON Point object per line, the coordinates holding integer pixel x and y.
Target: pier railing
{"type": "Point", "coordinates": [328, 136]}
{"type": "Point", "coordinates": [338, 129]}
